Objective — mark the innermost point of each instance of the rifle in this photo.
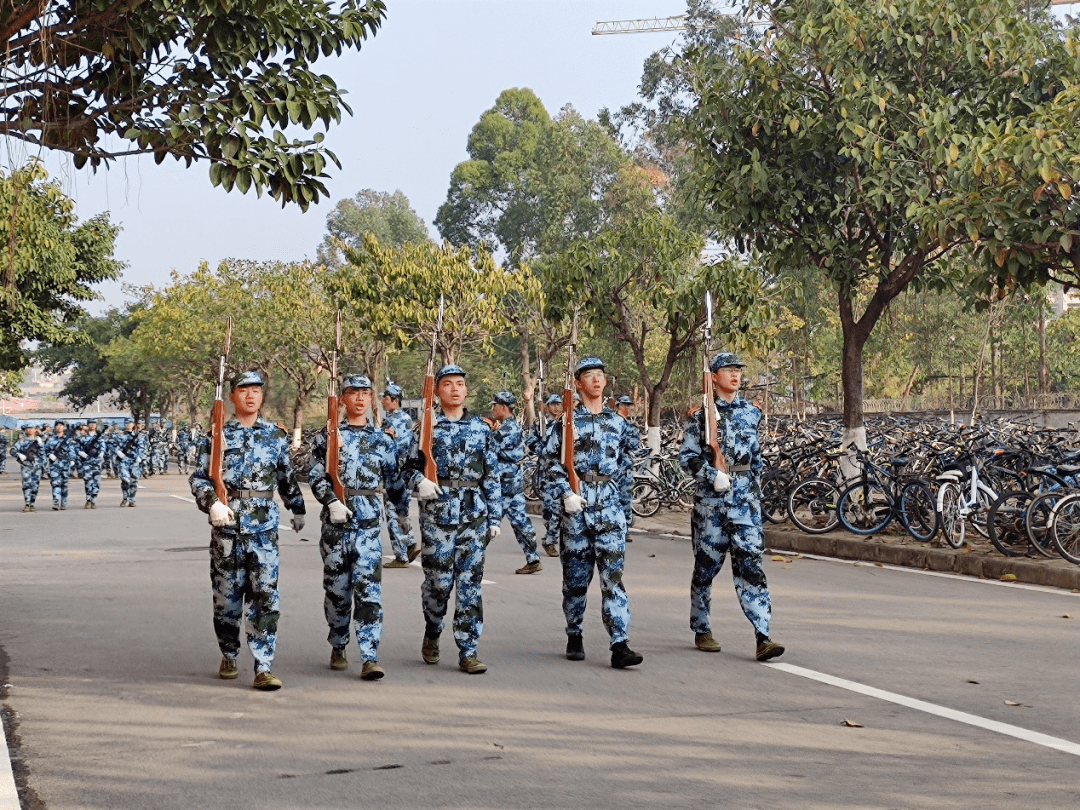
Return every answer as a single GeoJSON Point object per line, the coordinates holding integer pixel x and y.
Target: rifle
{"type": "Point", "coordinates": [712, 436]}
{"type": "Point", "coordinates": [217, 424]}
{"type": "Point", "coordinates": [92, 448]}
{"type": "Point", "coordinates": [568, 411]}
{"type": "Point", "coordinates": [541, 411]}
{"type": "Point", "coordinates": [333, 420]}
{"type": "Point", "coordinates": [427, 412]}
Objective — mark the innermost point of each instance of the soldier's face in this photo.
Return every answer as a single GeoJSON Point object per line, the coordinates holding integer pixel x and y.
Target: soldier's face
{"type": "Point", "coordinates": [452, 391]}
{"type": "Point", "coordinates": [31, 433]}
{"type": "Point", "coordinates": [501, 411]}
{"type": "Point", "coordinates": [357, 401]}
{"type": "Point", "coordinates": [60, 430]}
{"type": "Point", "coordinates": [389, 405]}
{"type": "Point", "coordinates": [727, 379]}
{"type": "Point", "coordinates": [247, 400]}
{"type": "Point", "coordinates": [592, 383]}
{"type": "Point", "coordinates": [555, 411]}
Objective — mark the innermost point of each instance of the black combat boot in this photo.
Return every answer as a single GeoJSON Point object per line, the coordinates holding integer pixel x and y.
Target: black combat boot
{"type": "Point", "coordinates": [622, 656]}
{"type": "Point", "coordinates": [575, 647]}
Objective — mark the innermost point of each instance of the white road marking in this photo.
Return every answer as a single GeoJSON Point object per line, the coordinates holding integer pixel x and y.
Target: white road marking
{"type": "Point", "coordinates": [9, 796]}
{"type": "Point", "coordinates": [182, 498]}
{"type": "Point", "coordinates": [1007, 729]}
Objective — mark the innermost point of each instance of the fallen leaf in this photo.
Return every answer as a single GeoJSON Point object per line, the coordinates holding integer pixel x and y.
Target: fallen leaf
{"type": "Point", "coordinates": [1014, 703]}
{"type": "Point", "coordinates": [879, 565]}
{"type": "Point", "coordinates": [1066, 616]}
{"type": "Point", "coordinates": [778, 558]}
{"type": "Point", "coordinates": [851, 724]}
{"type": "Point", "coordinates": [972, 681]}
{"type": "Point", "coordinates": [1008, 578]}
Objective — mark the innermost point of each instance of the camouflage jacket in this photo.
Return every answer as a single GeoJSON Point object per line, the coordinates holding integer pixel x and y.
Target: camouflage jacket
{"type": "Point", "coordinates": [133, 445]}
{"type": "Point", "coordinates": [65, 448]}
{"type": "Point", "coordinates": [256, 458]}
{"type": "Point", "coordinates": [366, 460]}
{"type": "Point", "coordinates": [737, 431]}
{"type": "Point", "coordinates": [33, 449]}
{"type": "Point", "coordinates": [509, 453]}
{"type": "Point", "coordinates": [464, 450]}
{"type": "Point", "coordinates": [93, 445]}
{"type": "Point", "coordinates": [402, 424]}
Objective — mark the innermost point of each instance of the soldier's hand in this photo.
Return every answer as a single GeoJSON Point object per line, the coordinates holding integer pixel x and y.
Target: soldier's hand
{"type": "Point", "coordinates": [428, 489]}
{"type": "Point", "coordinates": [297, 523]}
{"type": "Point", "coordinates": [21, 457]}
{"type": "Point", "coordinates": [573, 503]}
{"type": "Point", "coordinates": [221, 514]}
{"type": "Point", "coordinates": [339, 512]}
{"type": "Point", "coordinates": [493, 532]}
{"type": "Point", "coordinates": [722, 481]}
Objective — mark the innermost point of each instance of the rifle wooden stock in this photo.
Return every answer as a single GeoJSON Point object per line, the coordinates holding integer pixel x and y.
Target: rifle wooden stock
{"type": "Point", "coordinates": [568, 440]}
{"type": "Point", "coordinates": [333, 446]}
{"type": "Point", "coordinates": [217, 450]}
{"type": "Point", "coordinates": [427, 428]}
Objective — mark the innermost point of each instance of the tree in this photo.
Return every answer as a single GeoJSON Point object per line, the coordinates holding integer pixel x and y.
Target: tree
{"type": "Point", "coordinates": [387, 217]}
{"type": "Point", "coordinates": [220, 82]}
{"type": "Point", "coordinates": [826, 139]}
{"type": "Point", "coordinates": [48, 265]}
{"type": "Point", "coordinates": [91, 375]}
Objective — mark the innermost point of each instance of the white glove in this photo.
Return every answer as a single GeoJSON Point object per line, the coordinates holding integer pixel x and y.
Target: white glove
{"type": "Point", "coordinates": [427, 489]}
{"type": "Point", "coordinates": [297, 523]}
{"type": "Point", "coordinates": [21, 457]}
{"type": "Point", "coordinates": [221, 514]}
{"type": "Point", "coordinates": [722, 481]}
{"type": "Point", "coordinates": [493, 532]}
{"type": "Point", "coordinates": [573, 503]}
{"type": "Point", "coordinates": [83, 455]}
{"type": "Point", "coordinates": [339, 512]}
{"type": "Point", "coordinates": [120, 454]}
{"type": "Point", "coordinates": [52, 457]}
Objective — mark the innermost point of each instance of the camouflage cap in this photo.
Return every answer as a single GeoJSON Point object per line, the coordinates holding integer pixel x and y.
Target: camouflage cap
{"type": "Point", "coordinates": [246, 378]}
{"type": "Point", "coordinates": [553, 399]}
{"type": "Point", "coordinates": [587, 364]}
{"type": "Point", "coordinates": [356, 381]}
{"type": "Point", "coordinates": [60, 422]}
{"type": "Point", "coordinates": [394, 391]}
{"type": "Point", "coordinates": [624, 400]}
{"type": "Point", "coordinates": [504, 398]}
{"type": "Point", "coordinates": [449, 371]}
{"type": "Point", "coordinates": [725, 360]}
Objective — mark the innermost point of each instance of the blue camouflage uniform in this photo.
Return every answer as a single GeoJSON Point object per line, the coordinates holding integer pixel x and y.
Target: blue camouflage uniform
{"type": "Point", "coordinates": [130, 453]}
{"type": "Point", "coordinates": [626, 481]}
{"type": "Point", "coordinates": [33, 451]}
{"type": "Point", "coordinates": [92, 455]}
{"type": "Point", "coordinates": [455, 525]}
{"type": "Point", "coordinates": [509, 453]}
{"type": "Point", "coordinates": [244, 557]}
{"type": "Point", "coordinates": [183, 445]}
{"type": "Point", "coordinates": [404, 441]}
{"type": "Point", "coordinates": [551, 504]}
{"type": "Point", "coordinates": [352, 551]}
{"type": "Point", "coordinates": [60, 451]}
{"type": "Point", "coordinates": [728, 521]}
{"type": "Point", "coordinates": [595, 536]}
{"type": "Point", "coordinates": [3, 450]}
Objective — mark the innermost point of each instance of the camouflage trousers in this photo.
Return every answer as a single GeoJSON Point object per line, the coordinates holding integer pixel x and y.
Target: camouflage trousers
{"type": "Point", "coordinates": [453, 556]}
{"type": "Point", "coordinates": [244, 567]}
{"type": "Point", "coordinates": [712, 538]}
{"type": "Point", "coordinates": [352, 580]}
{"type": "Point", "coordinates": [601, 546]}
{"type": "Point", "coordinates": [552, 514]}
{"type": "Point", "coordinates": [626, 496]}
{"type": "Point", "coordinates": [58, 477]}
{"type": "Point", "coordinates": [129, 470]}
{"type": "Point", "coordinates": [3, 459]}
{"type": "Point", "coordinates": [31, 480]}
{"type": "Point", "coordinates": [91, 474]}
{"type": "Point", "coordinates": [514, 511]}
{"type": "Point", "coordinates": [399, 541]}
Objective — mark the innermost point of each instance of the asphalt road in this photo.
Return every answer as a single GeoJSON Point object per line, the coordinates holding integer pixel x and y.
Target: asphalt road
{"type": "Point", "coordinates": [113, 700]}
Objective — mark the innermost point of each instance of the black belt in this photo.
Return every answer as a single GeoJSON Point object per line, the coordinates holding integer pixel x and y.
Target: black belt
{"type": "Point", "coordinates": [251, 493]}
{"type": "Point", "coordinates": [595, 478]}
{"type": "Point", "coordinates": [740, 468]}
{"type": "Point", "coordinates": [352, 493]}
{"type": "Point", "coordinates": [457, 483]}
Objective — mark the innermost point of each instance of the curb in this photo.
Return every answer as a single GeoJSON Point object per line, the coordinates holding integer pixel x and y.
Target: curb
{"type": "Point", "coordinates": [969, 563]}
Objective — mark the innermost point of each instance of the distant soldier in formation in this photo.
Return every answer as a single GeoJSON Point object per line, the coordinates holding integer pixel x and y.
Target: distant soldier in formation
{"type": "Point", "coordinates": [399, 426]}
{"type": "Point", "coordinates": [460, 513]}
{"type": "Point", "coordinates": [727, 510]}
{"type": "Point", "coordinates": [595, 524]}
{"type": "Point", "coordinates": [130, 454]}
{"type": "Point", "coordinates": [351, 541]}
{"type": "Point", "coordinates": [30, 453]}
{"type": "Point", "coordinates": [510, 452]}
{"type": "Point", "coordinates": [626, 483]}
{"type": "Point", "coordinates": [91, 459]}
{"type": "Point", "coordinates": [183, 447]}
{"type": "Point", "coordinates": [551, 505]}
{"type": "Point", "coordinates": [60, 450]}
{"type": "Point", "coordinates": [159, 450]}
{"type": "Point", "coordinates": [244, 556]}
{"type": "Point", "coordinates": [3, 450]}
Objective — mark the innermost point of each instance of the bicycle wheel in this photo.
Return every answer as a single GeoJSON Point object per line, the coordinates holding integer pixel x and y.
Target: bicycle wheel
{"type": "Point", "coordinates": [531, 475]}
{"type": "Point", "coordinates": [866, 507]}
{"type": "Point", "coordinates": [1037, 517]}
{"type": "Point", "coordinates": [644, 500]}
{"type": "Point", "coordinates": [948, 508]}
{"type": "Point", "coordinates": [1066, 528]}
{"type": "Point", "coordinates": [917, 511]}
{"type": "Point", "coordinates": [812, 506]}
{"type": "Point", "coordinates": [686, 493]}
{"type": "Point", "coordinates": [1006, 523]}
{"type": "Point", "coordinates": [774, 497]}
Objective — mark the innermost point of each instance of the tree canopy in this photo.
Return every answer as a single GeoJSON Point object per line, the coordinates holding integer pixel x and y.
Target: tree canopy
{"type": "Point", "coordinates": [388, 217]}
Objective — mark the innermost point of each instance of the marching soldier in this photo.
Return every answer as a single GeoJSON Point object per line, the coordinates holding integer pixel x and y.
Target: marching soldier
{"type": "Point", "coordinates": [594, 527]}
{"type": "Point", "coordinates": [626, 483]}
{"type": "Point", "coordinates": [510, 452]}
{"type": "Point", "coordinates": [351, 544]}
{"type": "Point", "coordinates": [60, 451]}
{"type": "Point", "coordinates": [30, 453]}
{"type": "Point", "coordinates": [244, 556]}
{"type": "Point", "coordinates": [91, 455]}
{"type": "Point", "coordinates": [727, 509]}
{"type": "Point", "coordinates": [130, 451]}
{"type": "Point", "coordinates": [399, 426]}
{"type": "Point", "coordinates": [549, 498]}
{"type": "Point", "coordinates": [183, 446]}
{"type": "Point", "coordinates": [3, 450]}
{"type": "Point", "coordinates": [460, 513]}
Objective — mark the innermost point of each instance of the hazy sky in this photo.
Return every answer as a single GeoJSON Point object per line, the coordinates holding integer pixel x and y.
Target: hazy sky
{"type": "Point", "coordinates": [416, 91]}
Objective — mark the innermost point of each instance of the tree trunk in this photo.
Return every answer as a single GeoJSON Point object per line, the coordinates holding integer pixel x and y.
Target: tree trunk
{"type": "Point", "coordinates": [298, 417]}
{"type": "Point", "coordinates": [1044, 373]}
{"type": "Point", "coordinates": [528, 384]}
{"type": "Point", "coordinates": [856, 334]}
